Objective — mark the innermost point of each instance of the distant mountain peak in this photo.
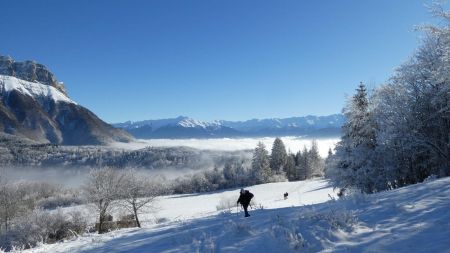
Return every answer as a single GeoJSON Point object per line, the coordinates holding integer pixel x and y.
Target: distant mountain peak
{"type": "Point", "coordinates": [190, 122]}
{"type": "Point", "coordinates": [29, 71]}
{"type": "Point", "coordinates": [186, 127]}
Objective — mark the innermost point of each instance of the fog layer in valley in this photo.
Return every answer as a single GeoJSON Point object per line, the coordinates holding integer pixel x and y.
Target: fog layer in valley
{"type": "Point", "coordinates": [74, 176]}
{"type": "Point", "coordinates": [292, 143]}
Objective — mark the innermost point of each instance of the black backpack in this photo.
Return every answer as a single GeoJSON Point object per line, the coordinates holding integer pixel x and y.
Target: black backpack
{"type": "Point", "coordinates": [249, 195]}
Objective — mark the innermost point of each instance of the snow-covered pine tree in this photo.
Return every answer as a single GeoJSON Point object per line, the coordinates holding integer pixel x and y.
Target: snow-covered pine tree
{"type": "Point", "coordinates": [278, 156]}
{"type": "Point", "coordinates": [328, 163]}
{"type": "Point", "coordinates": [355, 151]}
{"type": "Point", "coordinates": [302, 164]}
{"type": "Point", "coordinates": [290, 169]}
{"type": "Point", "coordinates": [316, 163]}
{"type": "Point", "coordinates": [261, 172]}
{"type": "Point", "coordinates": [229, 173]}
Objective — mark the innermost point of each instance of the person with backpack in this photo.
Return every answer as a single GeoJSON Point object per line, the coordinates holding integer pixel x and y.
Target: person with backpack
{"type": "Point", "coordinates": [244, 198]}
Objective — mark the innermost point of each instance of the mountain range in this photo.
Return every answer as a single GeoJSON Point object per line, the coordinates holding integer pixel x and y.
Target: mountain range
{"type": "Point", "coordinates": [185, 127]}
{"type": "Point", "coordinates": [35, 106]}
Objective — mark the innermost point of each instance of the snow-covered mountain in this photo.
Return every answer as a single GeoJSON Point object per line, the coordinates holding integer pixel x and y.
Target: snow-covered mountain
{"type": "Point", "coordinates": [180, 127]}
{"type": "Point", "coordinates": [35, 106]}
{"type": "Point", "coordinates": [29, 71]}
{"type": "Point", "coordinates": [184, 127]}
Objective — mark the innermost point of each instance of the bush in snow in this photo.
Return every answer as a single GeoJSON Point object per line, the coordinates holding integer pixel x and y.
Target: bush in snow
{"type": "Point", "coordinates": [226, 203]}
{"type": "Point", "coordinates": [62, 199]}
{"type": "Point", "coordinates": [334, 218]}
{"type": "Point", "coordinates": [204, 244]}
{"type": "Point", "coordinates": [241, 228]}
{"type": "Point", "coordinates": [310, 226]}
{"type": "Point", "coordinates": [289, 232]}
{"type": "Point", "coordinates": [161, 220]}
{"type": "Point", "coordinates": [43, 227]}
{"type": "Point", "coordinates": [430, 178]}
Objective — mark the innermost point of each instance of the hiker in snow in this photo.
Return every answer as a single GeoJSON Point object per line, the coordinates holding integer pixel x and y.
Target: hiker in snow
{"type": "Point", "coordinates": [285, 195]}
{"type": "Point", "coordinates": [341, 192]}
{"type": "Point", "coordinates": [244, 198]}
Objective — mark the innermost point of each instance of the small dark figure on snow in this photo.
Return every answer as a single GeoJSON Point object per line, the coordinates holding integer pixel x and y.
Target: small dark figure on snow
{"type": "Point", "coordinates": [341, 192]}
{"type": "Point", "coordinates": [245, 199]}
{"type": "Point", "coordinates": [285, 195]}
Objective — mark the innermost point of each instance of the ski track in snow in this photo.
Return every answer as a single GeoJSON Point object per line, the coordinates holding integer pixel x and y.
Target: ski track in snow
{"type": "Point", "coordinates": [411, 219]}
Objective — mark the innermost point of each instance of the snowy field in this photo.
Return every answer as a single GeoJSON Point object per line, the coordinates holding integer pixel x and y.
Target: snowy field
{"type": "Point", "coordinates": [411, 219]}
{"type": "Point", "coordinates": [292, 143]}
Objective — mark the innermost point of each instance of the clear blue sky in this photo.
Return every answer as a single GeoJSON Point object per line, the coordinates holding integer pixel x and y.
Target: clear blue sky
{"type": "Point", "coordinates": [212, 59]}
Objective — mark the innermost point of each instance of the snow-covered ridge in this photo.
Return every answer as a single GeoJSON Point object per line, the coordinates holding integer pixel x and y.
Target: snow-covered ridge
{"type": "Point", "coordinates": [188, 122]}
{"type": "Point", "coordinates": [35, 90]}
{"type": "Point", "coordinates": [182, 121]}
{"type": "Point", "coordinates": [185, 127]}
{"type": "Point", "coordinates": [318, 122]}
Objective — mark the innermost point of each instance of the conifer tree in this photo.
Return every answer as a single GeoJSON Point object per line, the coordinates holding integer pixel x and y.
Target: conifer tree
{"type": "Point", "coordinates": [260, 164]}
{"type": "Point", "coordinates": [278, 156]}
{"type": "Point", "coordinates": [355, 150]}
{"type": "Point", "coordinates": [290, 168]}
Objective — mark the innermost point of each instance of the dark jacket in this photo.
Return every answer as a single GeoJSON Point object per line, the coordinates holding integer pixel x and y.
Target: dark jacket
{"type": "Point", "coordinates": [245, 198]}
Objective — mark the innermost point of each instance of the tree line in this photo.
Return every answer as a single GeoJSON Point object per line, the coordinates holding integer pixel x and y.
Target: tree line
{"type": "Point", "coordinates": [279, 166]}
{"type": "Point", "coordinates": [399, 133]}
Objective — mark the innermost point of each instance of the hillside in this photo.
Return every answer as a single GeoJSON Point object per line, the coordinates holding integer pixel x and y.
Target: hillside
{"type": "Point", "coordinates": [410, 219]}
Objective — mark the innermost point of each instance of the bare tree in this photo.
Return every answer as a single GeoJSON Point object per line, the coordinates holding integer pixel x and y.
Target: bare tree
{"type": "Point", "coordinates": [102, 189]}
{"type": "Point", "coordinates": [137, 193]}
{"type": "Point", "coordinates": [10, 203]}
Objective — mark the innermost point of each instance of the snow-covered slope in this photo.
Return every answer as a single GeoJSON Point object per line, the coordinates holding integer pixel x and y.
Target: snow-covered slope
{"type": "Point", "coordinates": [35, 90]}
{"type": "Point", "coordinates": [411, 219]}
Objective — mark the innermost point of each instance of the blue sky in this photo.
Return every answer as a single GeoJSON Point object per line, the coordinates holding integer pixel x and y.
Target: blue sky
{"type": "Point", "coordinates": [211, 59]}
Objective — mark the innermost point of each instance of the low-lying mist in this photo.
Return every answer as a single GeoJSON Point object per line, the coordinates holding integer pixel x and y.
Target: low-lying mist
{"type": "Point", "coordinates": [292, 143]}
{"type": "Point", "coordinates": [162, 166]}
{"type": "Point", "coordinates": [162, 159]}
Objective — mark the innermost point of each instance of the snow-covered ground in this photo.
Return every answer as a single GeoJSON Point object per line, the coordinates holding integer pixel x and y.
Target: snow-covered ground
{"type": "Point", "coordinates": [292, 143]}
{"type": "Point", "coordinates": [411, 219]}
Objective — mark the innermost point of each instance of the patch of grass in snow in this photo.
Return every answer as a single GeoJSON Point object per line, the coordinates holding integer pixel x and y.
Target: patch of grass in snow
{"type": "Point", "coordinates": [205, 243]}
{"type": "Point", "coordinates": [288, 232]}
{"type": "Point", "coordinates": [226, 204]}
{"type": "Point", "coordinates": [335, 217]}
{"type": "Point", "coordinates": [241, 229]}
{"type": "Point", "coordinates": [311, 226]}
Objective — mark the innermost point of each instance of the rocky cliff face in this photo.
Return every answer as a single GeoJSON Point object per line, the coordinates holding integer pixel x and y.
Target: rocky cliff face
{"type": "Point", "coordinates": [29, 71]}
{"type": "Point", "coordinates": [33, 105]}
